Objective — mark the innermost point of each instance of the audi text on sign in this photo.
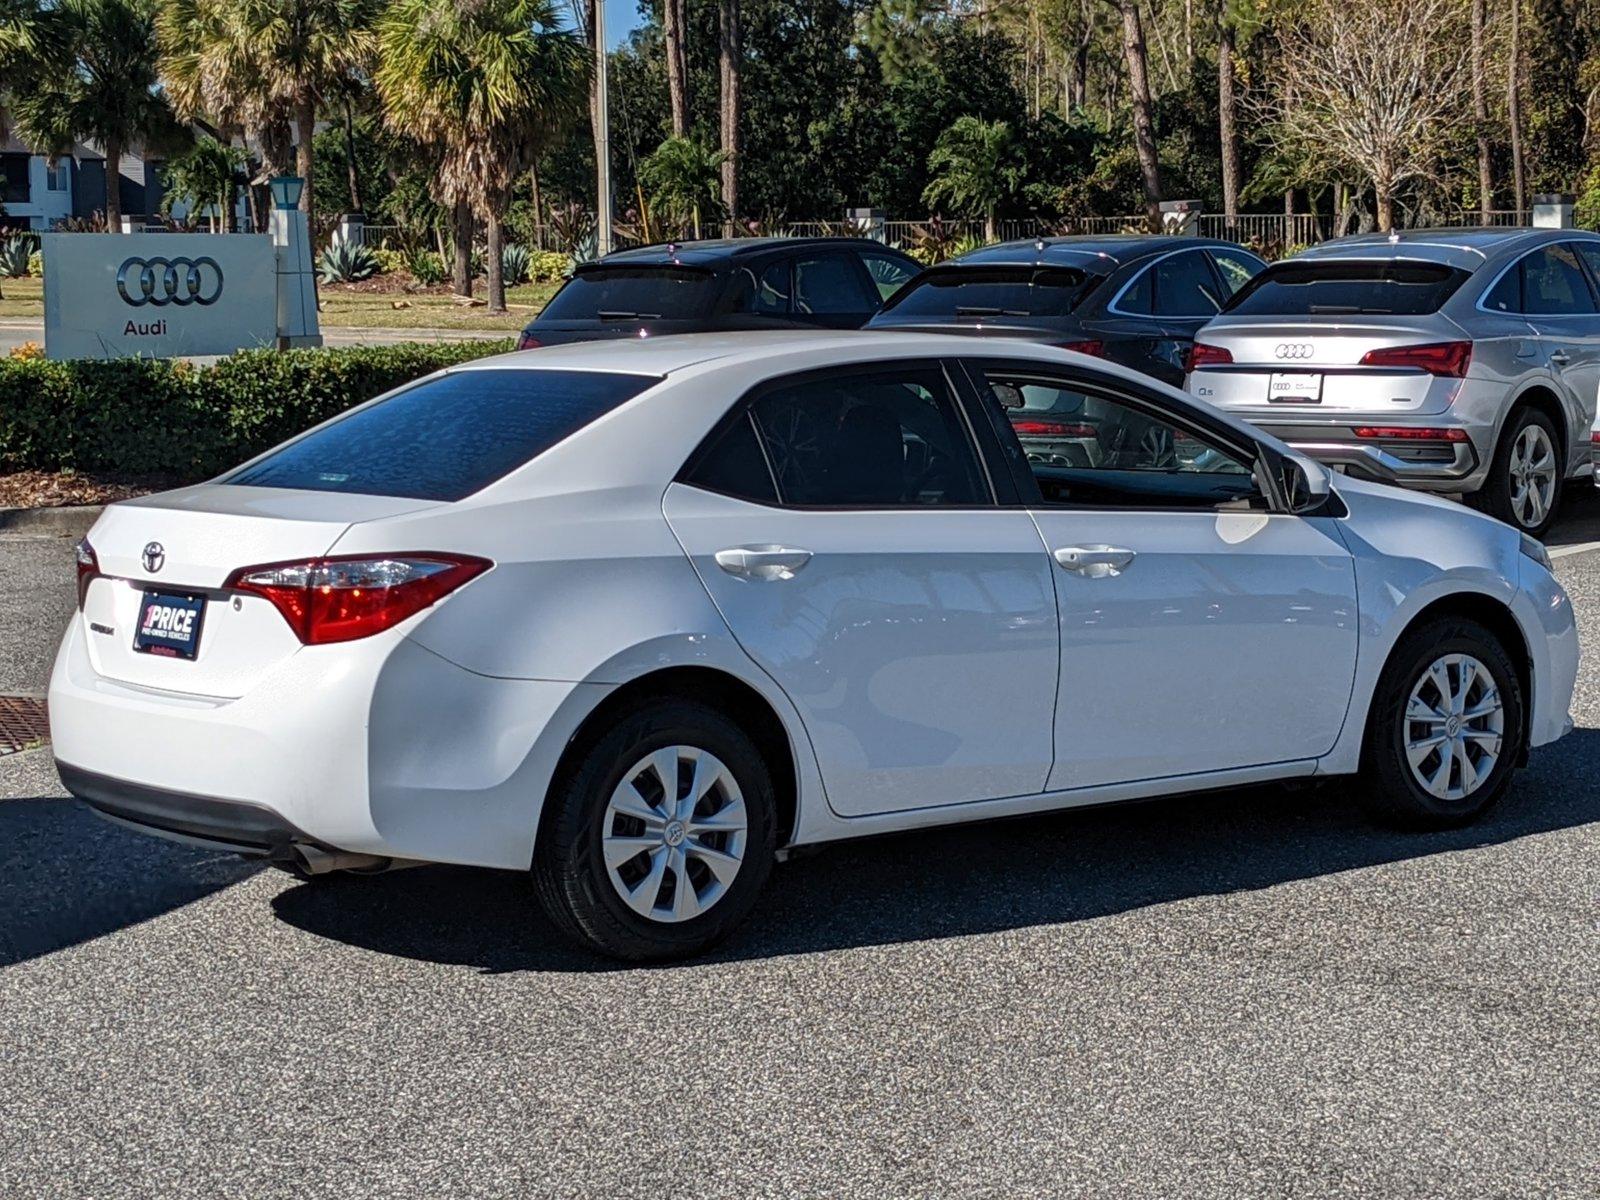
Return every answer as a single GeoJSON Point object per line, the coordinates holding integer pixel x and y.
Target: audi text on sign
{"type": "Point", "coordinates": [158, 295]}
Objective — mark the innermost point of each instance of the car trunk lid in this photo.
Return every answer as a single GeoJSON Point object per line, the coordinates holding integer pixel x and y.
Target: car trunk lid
{"type": "Point", "coordinates": [186, 544]}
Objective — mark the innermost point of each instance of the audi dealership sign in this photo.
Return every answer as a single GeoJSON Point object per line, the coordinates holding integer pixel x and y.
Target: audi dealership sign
{"type": "Point", "coordinates": [158, 295]}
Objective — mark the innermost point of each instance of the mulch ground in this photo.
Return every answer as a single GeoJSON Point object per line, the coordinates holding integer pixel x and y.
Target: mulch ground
{"type": "Point", "coordinates": [50, 489]}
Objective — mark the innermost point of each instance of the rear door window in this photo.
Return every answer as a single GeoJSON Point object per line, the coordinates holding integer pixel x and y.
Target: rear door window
{"type": "Point", "coordinates": [626, 293]}
{"type": "Point", "coordinates": [1185, 286]}
{"type": "Point", "coordinates": [1553, 284]}
{"type": "Point", "coordinates": [832, 285]}
{"type": "Point", "coordinates": [1327, 287]}
{"type": "Point", "coordinates": [982, 291]}
{"type": "Point", "coordinates": [446, 437]}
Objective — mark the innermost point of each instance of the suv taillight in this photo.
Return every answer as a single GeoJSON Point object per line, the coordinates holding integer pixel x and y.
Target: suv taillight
{"type": "Point", "coordinates": [1202, 355]}
{"type": "Point", "coordinates": [341, 599]}
{"type": "Point", "coordinates": [88, 568]}
{"type": "Point", "coordinates": [526, 341]}
{"type": "Point", "coordinates": [1448, 359]}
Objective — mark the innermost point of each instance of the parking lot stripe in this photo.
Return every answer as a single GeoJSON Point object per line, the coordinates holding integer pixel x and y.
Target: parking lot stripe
{"type": "Point", "coordinates": [1580, 548]}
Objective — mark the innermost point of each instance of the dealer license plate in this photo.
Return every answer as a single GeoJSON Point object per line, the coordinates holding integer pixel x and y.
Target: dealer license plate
{"type": "Point", "coordinates": [1295, 387]}
{"type": "Point", "coordinates": [169, 624]}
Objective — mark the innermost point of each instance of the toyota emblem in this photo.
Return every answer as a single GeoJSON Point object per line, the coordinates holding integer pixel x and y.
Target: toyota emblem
{"type": "Point", "coordinates": [163, 281]}
{"type": "Point", "coordinates": [1294, 350]}
{"type": "Point", "coordinates": [155, 554]}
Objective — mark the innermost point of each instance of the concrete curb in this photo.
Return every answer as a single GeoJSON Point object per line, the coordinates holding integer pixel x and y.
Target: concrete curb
{"type": "Point", "coordinates": [57, 522]}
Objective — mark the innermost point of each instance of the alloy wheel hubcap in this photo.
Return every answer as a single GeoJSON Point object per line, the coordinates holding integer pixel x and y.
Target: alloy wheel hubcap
{"type": "Point", "coordinates": [674, 833]}
{"type": "Point", "coordinates": [1532, 473]}
{"type": "Point", "coordinates": [1454, 727]}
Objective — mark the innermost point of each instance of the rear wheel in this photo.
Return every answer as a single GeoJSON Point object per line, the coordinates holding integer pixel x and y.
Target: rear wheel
{"type": "Point", "coordinates": [1524, 484]}
{"type": "Point", "coordinates": [1446, 729]}
{"type": "Point", "coordinates": [658, 844]}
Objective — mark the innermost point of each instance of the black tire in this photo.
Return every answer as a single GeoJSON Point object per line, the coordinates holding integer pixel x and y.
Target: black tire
{"type": "Point", "coordinates": [1388, 787]}
{"type": "Point", "coordinates": [1495, 497]}
{"type": "Point", "coordinates": [569, 870]}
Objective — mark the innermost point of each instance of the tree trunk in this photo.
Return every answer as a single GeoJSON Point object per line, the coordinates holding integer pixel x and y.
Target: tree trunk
{"type": "Point", "coordinates": [497, 275]}
{"type": "Point", "coordinates": [673, 15]}
{"type": "Point", "coordinates": [731, 63]}
{"type": "Point", "coordinates": [1227, 110]}
{"type": "Point", "coordinates": [1514, 107]}
{"type": "Point", "coordinates": [113, 185]}
{"type": "Point", "coordinates": [1144, 133]}
{"type": "Point", "coordinates": [1385, 208]}
{"type": "Point", "coordinates": [991, 232]}
{"type": "Point", "coordinates": [1480, 113]}
{"type": "Point", "coordinates": [352, 173]}
{"type": "Point", "coordinates": [596, 133]}
{"type": "Point", "coordinates": [305, 128]}
{"type": "Point", "coordinates": [538, 206]}
{"type": "Point", "coordinates": [461, 273]}
{"type": "Point", "coordinates": [1288, 202]}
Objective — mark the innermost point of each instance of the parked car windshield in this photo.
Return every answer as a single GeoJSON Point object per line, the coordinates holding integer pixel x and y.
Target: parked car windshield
{"type": "Point", "coordinates": [634, 293]}
{"type": "Point", "coordinates": [446, 437]}
{"type": "Point", "coordinates": [1023, 291]}
{"type": "Point", "coordinates": [1311, 288]}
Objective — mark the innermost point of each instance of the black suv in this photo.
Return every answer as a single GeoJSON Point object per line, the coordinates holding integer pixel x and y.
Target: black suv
{"type": "Point", "coordinates": [712, 286]}
{"type": "Point", "coordinates": [1137, 300]}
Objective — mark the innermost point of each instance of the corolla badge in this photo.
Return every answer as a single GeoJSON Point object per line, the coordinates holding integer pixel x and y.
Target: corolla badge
{"type": "Point", "coordinates": [155, 554]}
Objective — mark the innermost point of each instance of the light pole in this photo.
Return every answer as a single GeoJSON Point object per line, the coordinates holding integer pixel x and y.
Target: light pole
{"type": "Point", "coordinates": [602, 136]}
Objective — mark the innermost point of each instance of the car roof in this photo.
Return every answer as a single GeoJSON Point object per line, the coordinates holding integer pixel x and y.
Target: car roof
{"type": "Point", "coordinates": [1112, 250]}
{"type": "Point", "coordinates": [719, 251]}
{"type": "Point", "coordinates": [1468, 246]}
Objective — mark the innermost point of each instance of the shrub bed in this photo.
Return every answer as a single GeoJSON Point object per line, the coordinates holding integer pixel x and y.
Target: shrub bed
{"type": "Point", "coordinates": [150, 417]}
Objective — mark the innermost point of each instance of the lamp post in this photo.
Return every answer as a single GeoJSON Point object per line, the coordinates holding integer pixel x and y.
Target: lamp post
{"type": "Point", "coordinates": [602, 136]}
{"type": "Point", "coordinates": [297, 283]}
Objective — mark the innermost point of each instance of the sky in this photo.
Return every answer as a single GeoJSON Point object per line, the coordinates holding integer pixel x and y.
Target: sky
{"type": "Point", "coordinates": [622, 18]}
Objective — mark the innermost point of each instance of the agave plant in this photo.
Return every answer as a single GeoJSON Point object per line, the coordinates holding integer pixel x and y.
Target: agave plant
{"type": "Point", "coordinates": [14, 255]}
{"type": "Point", "coordinates": [346, 262]}
{"type": "Point", "coordinates": [516, 265]}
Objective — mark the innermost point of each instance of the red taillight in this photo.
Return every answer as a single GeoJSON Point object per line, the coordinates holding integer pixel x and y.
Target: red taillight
{"type": "Point", "coordinates": [1061, 429]}
{"type": "Point", "coordinates": [88, 568]}
{"type": "Point", "coordinates": [341, 599]}
{"type": "Point", "coordinates": [1405, 433]}
{"type": "Point", "coordinates": [1202, 355]}
{"type": "Point", "coordinates": [1449, 359]}
{"type": "Point", "coordinates": [1097, 349]}
{"type": "Point", "coordinates": [526, 341]}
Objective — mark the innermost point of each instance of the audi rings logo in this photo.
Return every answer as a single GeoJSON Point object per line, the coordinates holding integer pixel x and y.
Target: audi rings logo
{"type": "Point", "coordinates": [1293, 350]}
{"type": "Point", "coordinates": [163, 281]}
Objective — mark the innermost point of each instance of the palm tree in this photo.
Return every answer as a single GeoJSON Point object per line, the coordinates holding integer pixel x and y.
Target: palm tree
{"type": "Point", "coordinates": [976, 165]}
{"type": "Point", "coordinates": [209, 174]}
{"type": "Point", "coordinates": [210, 71]}
{"type": "Point", "coordinates": [481, 84]}
{"type": "Point", "coordinates": [30, 36]}
{"type": "Point", "coordinates": [730, 68]}
{"type": "Point", "coordinates": [305, 50]}
{"type": "Point", "coordinates": [684, 178]}
{"type": "Point", "coordinates": [101, 87]}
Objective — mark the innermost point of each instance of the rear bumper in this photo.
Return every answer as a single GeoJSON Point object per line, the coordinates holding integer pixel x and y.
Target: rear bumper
{"type": "Point", "coordinates": [1455, 466]}
{"type": "Point", "coordinates": [249, 829]}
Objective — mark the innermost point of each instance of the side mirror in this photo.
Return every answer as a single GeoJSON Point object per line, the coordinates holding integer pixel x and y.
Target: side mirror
{"type": "Point", "coordinates": [1307, 484]}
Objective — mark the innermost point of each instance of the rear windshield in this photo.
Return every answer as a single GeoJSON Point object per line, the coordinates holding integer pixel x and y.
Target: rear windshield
{"type": "Point", "coordinates": [634, 293]}
{"type": "Point", "coordinates": [994, 292]}
{"type": "Point", "coordinates": [1301, 289]}
{"type": "Point", "coordinates": [444, 438]}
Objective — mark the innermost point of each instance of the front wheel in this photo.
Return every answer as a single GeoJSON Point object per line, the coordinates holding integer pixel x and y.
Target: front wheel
{"type": "Point", "coordinates": [1446, 728]}
{"type": "Point", "coordinates": [659, 842]}
{"type": "Point", "coordinates": [1524, 483]}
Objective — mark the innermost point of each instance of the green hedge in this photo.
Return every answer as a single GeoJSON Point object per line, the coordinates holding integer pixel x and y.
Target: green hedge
{"type": "Point", "coordinates": [149, 417]}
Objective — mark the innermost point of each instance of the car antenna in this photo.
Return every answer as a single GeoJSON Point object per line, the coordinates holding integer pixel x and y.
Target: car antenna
{"type": "Point", "coordinates": [672, 253]}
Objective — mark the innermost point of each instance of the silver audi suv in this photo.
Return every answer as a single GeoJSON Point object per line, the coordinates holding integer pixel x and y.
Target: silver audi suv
{"type": "Point", "coordinates": [1455, 360]}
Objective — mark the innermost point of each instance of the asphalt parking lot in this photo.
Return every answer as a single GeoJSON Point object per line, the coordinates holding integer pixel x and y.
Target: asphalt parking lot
{"type": "Point", "coordinates": [1244, 994]}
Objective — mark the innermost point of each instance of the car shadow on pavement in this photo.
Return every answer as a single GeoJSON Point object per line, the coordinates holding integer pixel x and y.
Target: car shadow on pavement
{"type": "Point", "coordinates": [1001, 875]}
{"type": "Point", "coordinates": [67, 876]}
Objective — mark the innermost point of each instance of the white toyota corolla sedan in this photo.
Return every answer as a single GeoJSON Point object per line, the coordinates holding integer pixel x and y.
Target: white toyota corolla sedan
{"type": "Point", "coordinates": [640, 617]}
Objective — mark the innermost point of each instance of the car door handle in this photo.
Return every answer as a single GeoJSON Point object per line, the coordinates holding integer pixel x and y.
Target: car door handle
{"type": "Point", "coordinates": [1559, 357]}
{"type": "Point", "coordinates": [762, 562]}
{"type": "Point", "coordinates": [1094, 562]}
